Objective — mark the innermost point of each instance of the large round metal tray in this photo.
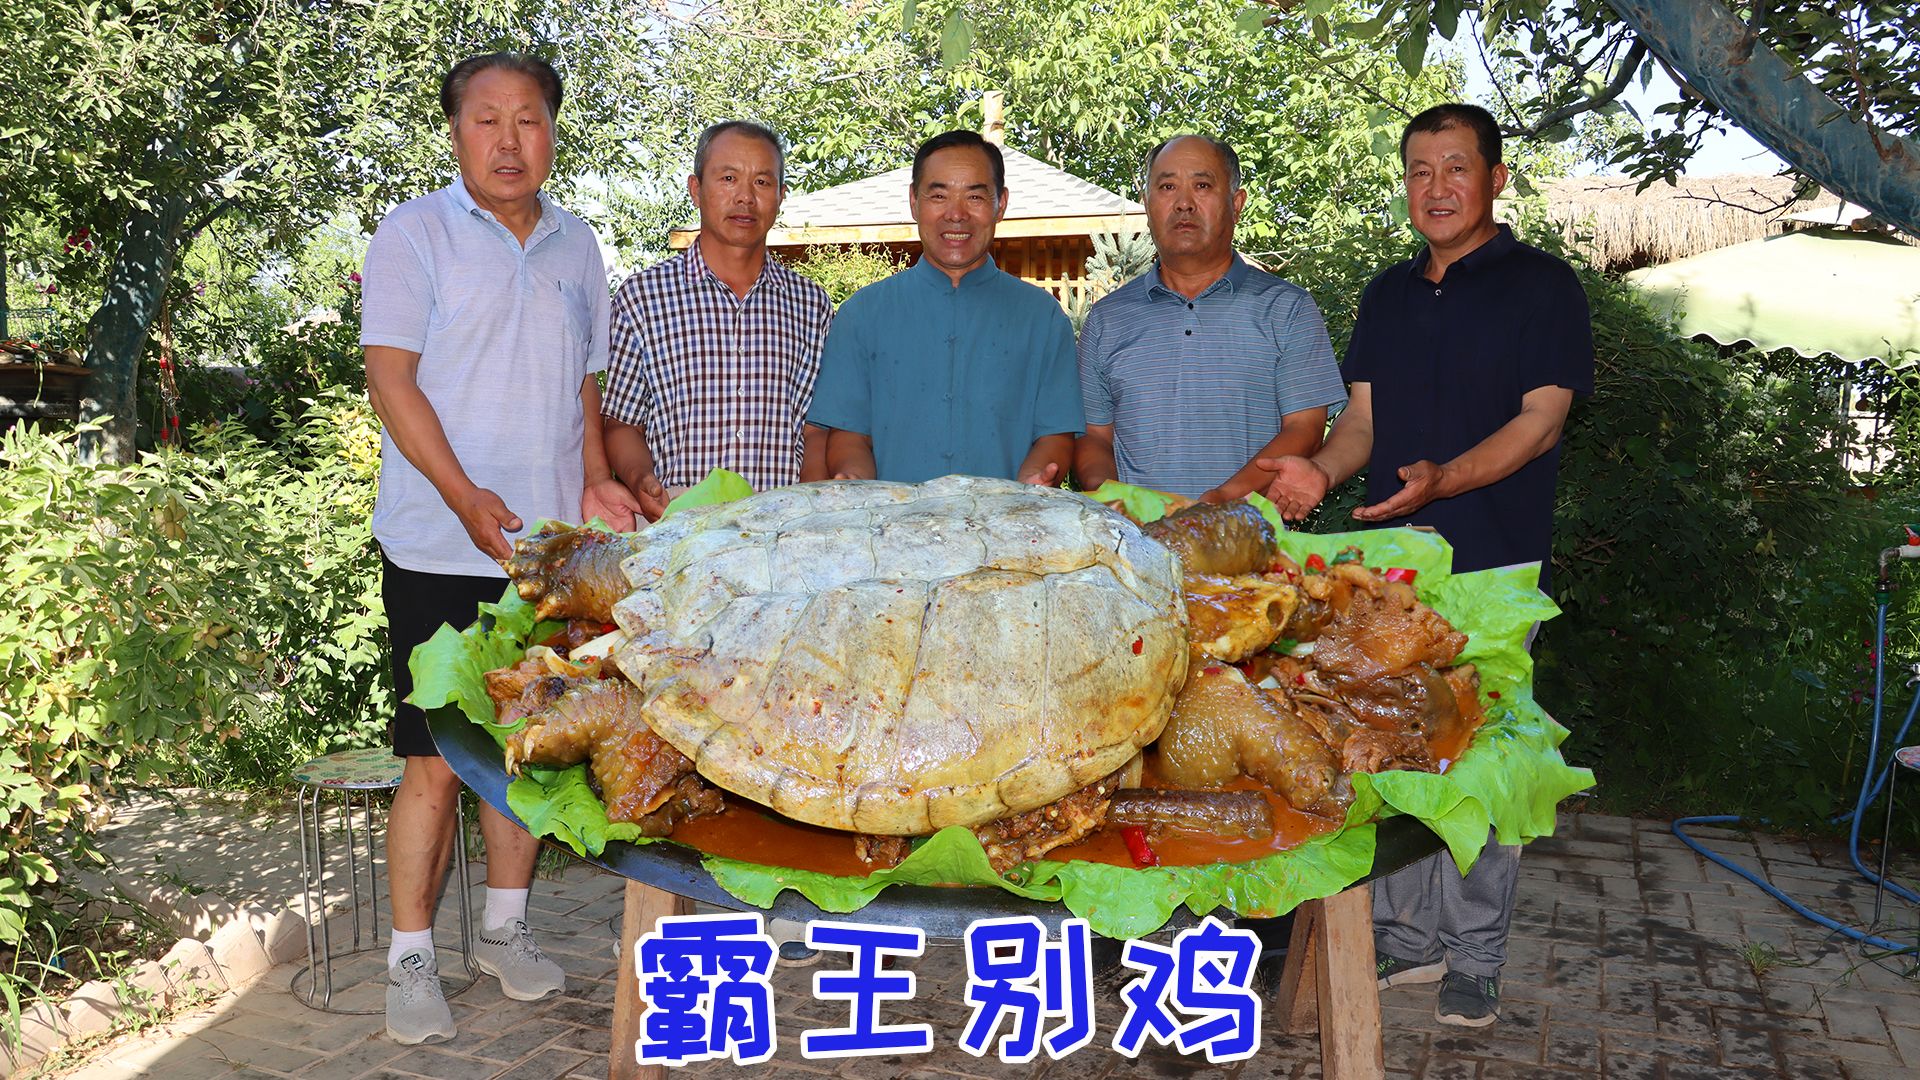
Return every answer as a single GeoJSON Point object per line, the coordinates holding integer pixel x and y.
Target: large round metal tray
{"type": "Point", "coordinates": [942, 912]}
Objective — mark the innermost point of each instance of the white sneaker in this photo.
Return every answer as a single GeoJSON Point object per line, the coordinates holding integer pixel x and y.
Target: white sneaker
{"type": "Point", "coordinates": [416, 1009]}
{"type": "Point", "coordinates": [509, 954]}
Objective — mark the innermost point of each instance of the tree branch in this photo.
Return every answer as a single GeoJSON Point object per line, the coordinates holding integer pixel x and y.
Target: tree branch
{"type": "Point", "coordinates": [1614, 88]}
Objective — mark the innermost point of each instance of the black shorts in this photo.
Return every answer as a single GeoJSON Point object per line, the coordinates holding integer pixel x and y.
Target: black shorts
{"type": "Point", "coordinates": [417, 604]}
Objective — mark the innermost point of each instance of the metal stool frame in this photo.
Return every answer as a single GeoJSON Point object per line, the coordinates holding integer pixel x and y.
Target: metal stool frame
{"type": "Point", "coordinates": [1895, 766]}
{"type": "Point", "coordinates": [318, 971]}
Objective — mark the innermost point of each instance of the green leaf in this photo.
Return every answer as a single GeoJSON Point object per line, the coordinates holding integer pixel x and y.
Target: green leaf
{"type": "Point", "coordinates": [1251, 21]}
{"type": "Point", "coordinates": [720, 486]}
{"type": "Point", "coordinates": [1412, 50]}
{"type": "Point", "coordinates": [908, 12]}
{"type": "Point", "coordinates": [452, 665]}
{"type": "Point", "coordinates": [1446, 17]}
{"type": "Point", "coordinates": [560, 804]}
{"type": "Point", "coordinates": [1322, 33]}
{"type": "Point", "coordinates": [1140, 504]}
{"type": "Point", "coordinates": [956, 40]}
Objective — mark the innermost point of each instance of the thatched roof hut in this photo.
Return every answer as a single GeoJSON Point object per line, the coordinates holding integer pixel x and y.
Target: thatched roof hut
{"type": "Point", "coordinates": [1622, 230]}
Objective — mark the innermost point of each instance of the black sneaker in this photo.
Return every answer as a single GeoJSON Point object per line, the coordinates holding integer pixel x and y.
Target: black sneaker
{"type": "Point", "coordinates": [1394, 971]}
{"type": "Point", "coordinates": [1468, 1000]}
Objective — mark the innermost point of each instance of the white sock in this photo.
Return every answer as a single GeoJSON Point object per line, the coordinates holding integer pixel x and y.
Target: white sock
{"type": "Point", "coordinates": [405, 941]}
{"type": "Point", "coordinates": [504, 906]}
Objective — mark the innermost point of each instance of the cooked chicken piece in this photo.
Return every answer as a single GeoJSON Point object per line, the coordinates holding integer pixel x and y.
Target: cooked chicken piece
{"type": "Point", "coordinates": [689, 798]}
{"type": "Point", "coordinates": [1013, 840]}
{"type": "Point", "coordinates": [881, 851]}
{"type": "Point", "coordinates": [1226, 539]}
{"type": "Point", "coordinates": [1234, 618]}
{"type": "Point", "coordinates": [1374, 627]}
{"type": "Point", "coordinates": [506, 684]}
{"type": "Point", "coordinates": [1370, 751]}
{"type": "Point", "coordinates": [570, 573]}
{"type": "Point", "coordinates": [1223, 726]}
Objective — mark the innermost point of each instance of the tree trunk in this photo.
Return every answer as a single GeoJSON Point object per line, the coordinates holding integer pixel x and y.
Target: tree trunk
{"type": "Point", "coordinates": [1785, 111]}
{"type": "Point", "coordinates": [117, 333]}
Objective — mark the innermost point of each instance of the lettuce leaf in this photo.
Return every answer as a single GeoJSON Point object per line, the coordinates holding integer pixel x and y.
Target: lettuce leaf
{"type": "Point", "coordinates": [1510, 779]}
{"type": "Point", "coordinates": [720, 486]}
{"type": "Point", "coordinates": [451, 666]}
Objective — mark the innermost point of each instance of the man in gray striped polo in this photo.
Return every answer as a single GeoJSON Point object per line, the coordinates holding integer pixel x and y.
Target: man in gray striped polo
{"type": "Point", "coordinates": [1195, 369]}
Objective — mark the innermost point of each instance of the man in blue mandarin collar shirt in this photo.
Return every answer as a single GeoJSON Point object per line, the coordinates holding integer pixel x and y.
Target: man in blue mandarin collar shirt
{"type": "Point", "coordinates": [951, 365]}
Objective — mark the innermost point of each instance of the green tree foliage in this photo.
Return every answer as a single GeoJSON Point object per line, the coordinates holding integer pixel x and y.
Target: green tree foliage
{"type": "Point", "coordinates": [1833, 88]}
{"type": "Point", "coordinates": [1089, 87]}
{"type": "Point", "coordinates": [143, 122]}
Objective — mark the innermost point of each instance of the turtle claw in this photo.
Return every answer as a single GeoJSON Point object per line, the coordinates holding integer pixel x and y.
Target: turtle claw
{"type": "Point", "coordinates": [568, 572]}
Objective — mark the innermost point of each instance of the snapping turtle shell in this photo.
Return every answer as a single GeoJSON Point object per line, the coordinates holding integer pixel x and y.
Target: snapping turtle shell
{"type": "Point", "coordinates": [894, 658]}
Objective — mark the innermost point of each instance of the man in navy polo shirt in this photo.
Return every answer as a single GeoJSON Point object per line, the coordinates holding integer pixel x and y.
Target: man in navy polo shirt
{"type": "Point", "coordinates": [1461, 368]}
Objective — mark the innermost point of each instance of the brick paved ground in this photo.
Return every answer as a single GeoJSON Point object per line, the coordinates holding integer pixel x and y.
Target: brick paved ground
{"type": "Point", "coordinates": [1629, 960]}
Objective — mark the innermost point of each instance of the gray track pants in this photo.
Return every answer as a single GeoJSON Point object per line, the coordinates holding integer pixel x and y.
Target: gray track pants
{"type": "Point", "coordinates": [1428, 911]}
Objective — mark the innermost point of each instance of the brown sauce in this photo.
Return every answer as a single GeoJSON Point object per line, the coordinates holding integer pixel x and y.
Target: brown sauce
{"type": "Point", "coordinates": [752, 833]}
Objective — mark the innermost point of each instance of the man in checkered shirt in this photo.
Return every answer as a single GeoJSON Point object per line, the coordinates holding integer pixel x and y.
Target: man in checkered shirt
{"type": "Point", "coordinates": [715, 350]}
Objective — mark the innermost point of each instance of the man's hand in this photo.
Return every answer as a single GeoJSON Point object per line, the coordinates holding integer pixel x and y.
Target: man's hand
{"type": "Point", "coordinates": [1297, 486]}
{"type": "Point", "coordinates": [1425, 482]}
{"type": "Point", "coordinates": [487, 521]}
{"type": "Point", "coordinates": [1043, 477]}
{"type": "Point", "coordinates": [611, 502]}
{"type": "Point", "coordinates": [651, 497]}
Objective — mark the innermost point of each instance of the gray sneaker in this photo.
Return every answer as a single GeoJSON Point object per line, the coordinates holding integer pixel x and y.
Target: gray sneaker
{"type": "Point", "coordinates": [416, 1009]}
{"type": "Point", "coordinates": [508, 953]}
{"type": "Point", "coordinates": [1393, 971]}
{"type": "Point", "coordinates": [1468, 1000]}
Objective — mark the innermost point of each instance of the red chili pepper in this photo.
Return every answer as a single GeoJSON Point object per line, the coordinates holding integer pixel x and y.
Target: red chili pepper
{"type": "Point", "coordinates": [1401, 573]}
{"type": "Point", "coordinates": [1137, 846]}
{"type": "Point", "coordinates": [608, 628]}
{"type": "Point", "coordinates": [1300, 678]}
{"type": "Point", "coordinates": [1316, 563]}
{"type": "Point", "coordinates": [1138, 645]}
{"type": "Point", "coordinates": [1494, 694]}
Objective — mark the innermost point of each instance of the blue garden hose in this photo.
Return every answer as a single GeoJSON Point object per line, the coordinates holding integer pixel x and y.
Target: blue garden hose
{"type": "Point", "coordinates": [1870, 787]}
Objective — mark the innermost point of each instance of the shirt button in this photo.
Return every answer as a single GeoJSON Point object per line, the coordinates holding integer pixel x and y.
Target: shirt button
{"type": "Point", "coordinates": [1189, 305]}
{"type": "Point", "coordinates": [1189, 333]}
{"type": "Point", "coordinates": [740, 433]}
{"type": "Point", "coordinates": [1436, 292]}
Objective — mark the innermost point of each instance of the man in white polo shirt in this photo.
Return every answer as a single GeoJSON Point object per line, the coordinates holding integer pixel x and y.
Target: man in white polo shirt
{"type": "Point", "coordinates": [484, 321]}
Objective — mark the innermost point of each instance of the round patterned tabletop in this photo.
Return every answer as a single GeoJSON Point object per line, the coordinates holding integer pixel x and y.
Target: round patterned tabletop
{"type": "Point", "coordinates": [1908, 756]}
{"type": "Point", "coordinates": [372, 769]}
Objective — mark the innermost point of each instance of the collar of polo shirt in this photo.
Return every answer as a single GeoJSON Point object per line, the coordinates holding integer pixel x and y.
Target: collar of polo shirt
{"type": "Point", "coordinates": [1497, 245]}
{"type": "Point", "coordinates": [1231, 281]}
{"type": "Point", "coordinates": [549, 221]}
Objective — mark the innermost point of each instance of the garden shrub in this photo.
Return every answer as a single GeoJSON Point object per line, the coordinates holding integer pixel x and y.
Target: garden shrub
{"type": "Point", "coordinates": [211, 617]}
{"type": "Point", "coordinates": [843, 271]}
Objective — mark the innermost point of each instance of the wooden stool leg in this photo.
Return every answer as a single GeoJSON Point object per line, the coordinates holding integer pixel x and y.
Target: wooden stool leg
{"type": "Point", "coordinates": [645, 905]}
{"type": "Point", "coordinates": [1298, 1003]}
{"type": "Point", "coordinates": [1348, 990]}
